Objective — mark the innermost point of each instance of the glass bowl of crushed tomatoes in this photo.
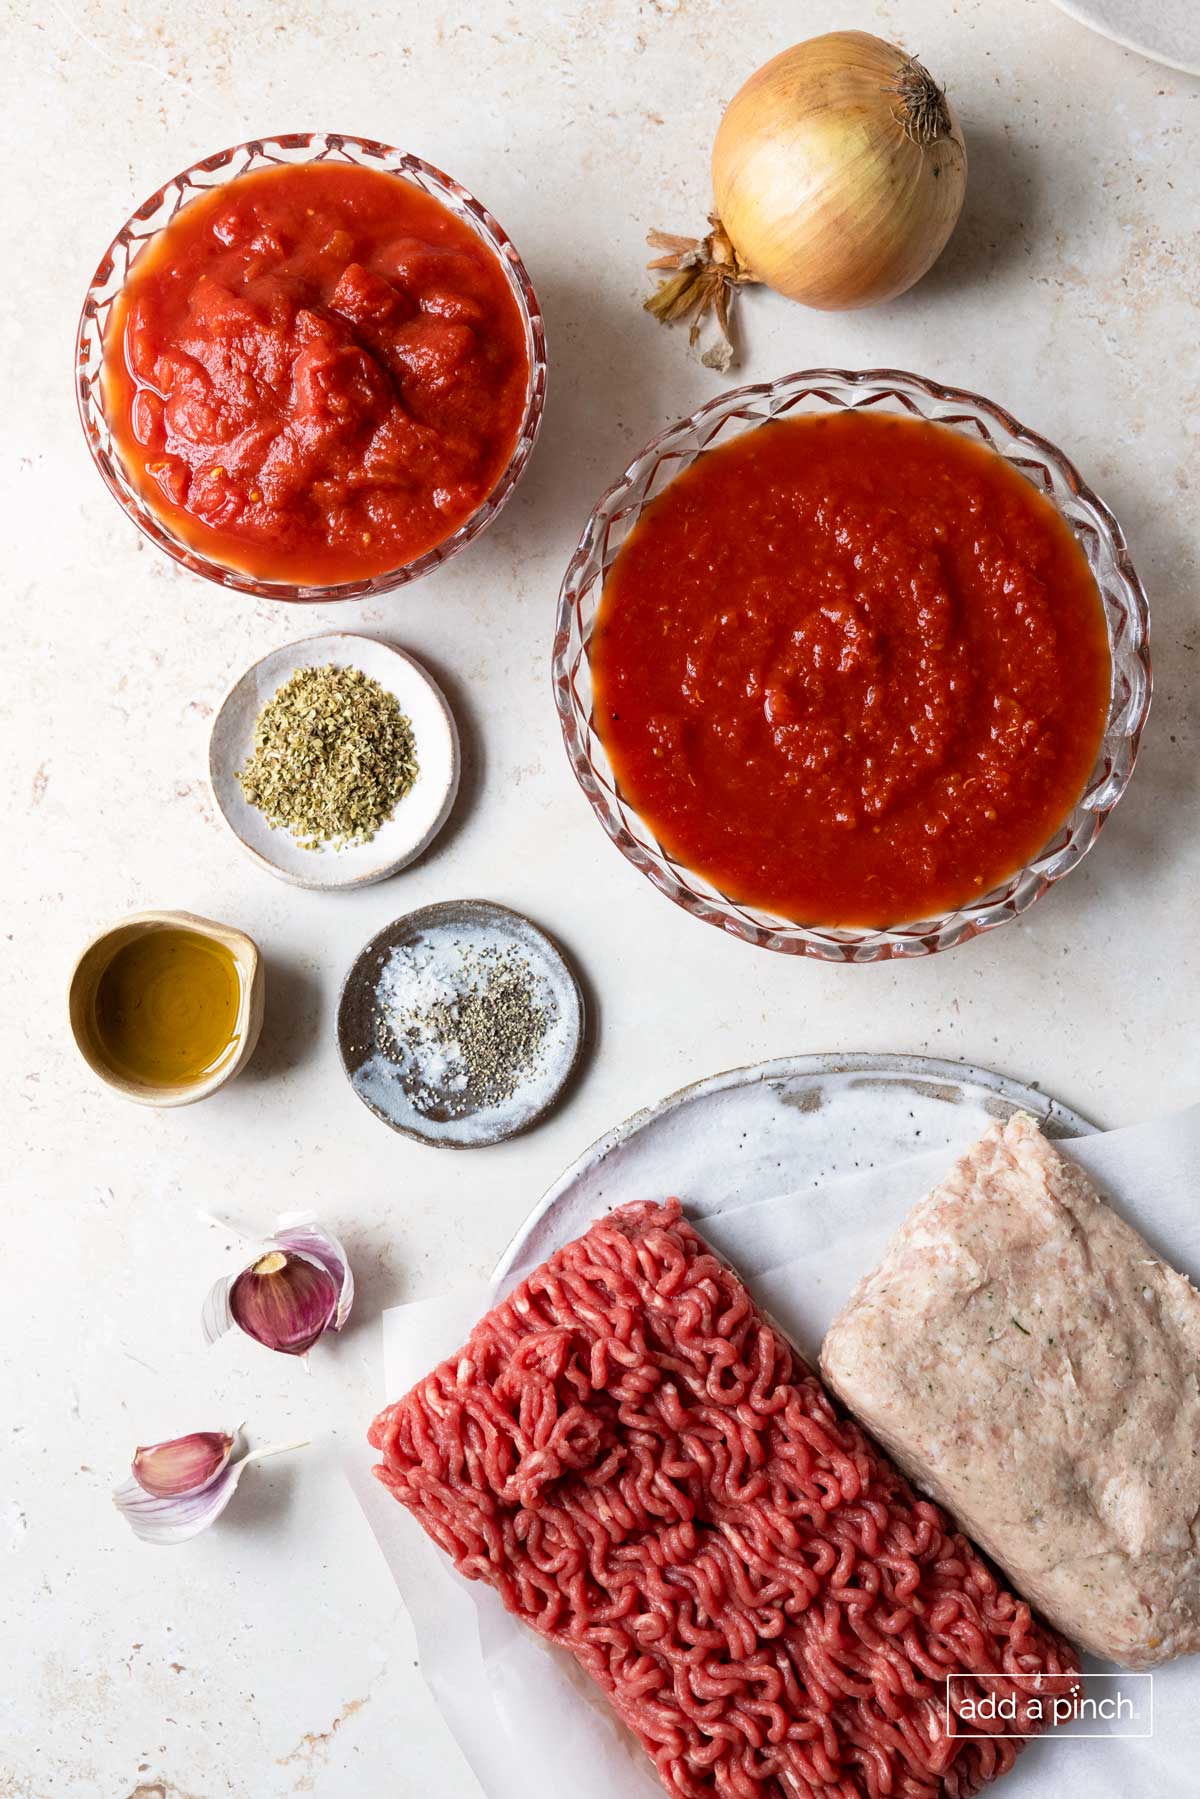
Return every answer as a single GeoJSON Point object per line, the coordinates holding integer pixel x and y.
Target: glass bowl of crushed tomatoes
{"type": "Point", "coordinates": [311, 367]}
{"type": "Point", "coordinates": [852, 665]}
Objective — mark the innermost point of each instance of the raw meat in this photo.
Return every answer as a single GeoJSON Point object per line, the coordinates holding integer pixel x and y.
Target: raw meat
{"type": "Point", "coordinates": [643, 1469]}
{"type": "Point", "coordinates": [1030, 1361]}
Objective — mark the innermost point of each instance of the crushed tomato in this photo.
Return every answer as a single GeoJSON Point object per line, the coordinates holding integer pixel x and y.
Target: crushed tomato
{"type": "Point", "coordinates": [316, 373]}
{"type": "Point", "coordinates": [853, 669]}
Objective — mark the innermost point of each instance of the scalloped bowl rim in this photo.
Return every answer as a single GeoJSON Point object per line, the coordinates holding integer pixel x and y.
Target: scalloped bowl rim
{"type": "Point", "coordinates": [826, 942]}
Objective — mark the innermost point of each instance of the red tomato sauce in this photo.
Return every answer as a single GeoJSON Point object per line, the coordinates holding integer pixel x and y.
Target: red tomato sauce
{"type": "Point", "coordinates": [852, 669]}
{"type": "Point", "coordinates": [316, 373]}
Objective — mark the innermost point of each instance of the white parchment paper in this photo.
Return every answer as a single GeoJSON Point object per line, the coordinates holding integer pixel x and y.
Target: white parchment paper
{"type": "Point", "coordinates": [529, 1723]}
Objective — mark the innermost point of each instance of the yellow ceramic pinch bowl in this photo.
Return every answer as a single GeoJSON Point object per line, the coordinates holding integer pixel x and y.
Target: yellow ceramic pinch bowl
{"type": "Point", "coordinates": [166, 1007]}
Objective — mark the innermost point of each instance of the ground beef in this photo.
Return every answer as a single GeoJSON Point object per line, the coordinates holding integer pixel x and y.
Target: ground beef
{"type": "Point", "coordinates": [649, 1475]}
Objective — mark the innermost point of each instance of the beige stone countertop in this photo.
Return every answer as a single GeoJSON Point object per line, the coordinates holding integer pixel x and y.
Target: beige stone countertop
{"type": "Point", "coordinates": [271, 1657]}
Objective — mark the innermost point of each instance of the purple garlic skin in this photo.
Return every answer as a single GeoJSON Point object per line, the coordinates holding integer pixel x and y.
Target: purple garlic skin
{"type": "Point", "coordinates": [184, 1465]}
{"type": "Point", "coordinates": [284, 1300]}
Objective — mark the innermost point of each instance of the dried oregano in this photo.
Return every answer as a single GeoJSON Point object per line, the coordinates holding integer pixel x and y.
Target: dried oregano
{"type": "Point", "coordinates": [333, 757]}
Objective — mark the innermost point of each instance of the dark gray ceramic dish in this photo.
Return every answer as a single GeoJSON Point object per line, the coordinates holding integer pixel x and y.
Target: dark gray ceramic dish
{"type": "Point", "coordinates": [398, 1085]}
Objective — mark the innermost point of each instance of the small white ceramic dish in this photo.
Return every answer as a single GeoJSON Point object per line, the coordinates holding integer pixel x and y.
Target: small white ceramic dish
{"type": "Point", "coordinates": [419, 816]}
{"type": "Point", "coordinates": [1166, 31]}
{"type": "Point", "coordinates": [85, 981]}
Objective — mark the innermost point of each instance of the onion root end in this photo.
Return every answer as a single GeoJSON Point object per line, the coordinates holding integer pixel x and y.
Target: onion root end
{"type": "Point", "coordinates": [705, 274]}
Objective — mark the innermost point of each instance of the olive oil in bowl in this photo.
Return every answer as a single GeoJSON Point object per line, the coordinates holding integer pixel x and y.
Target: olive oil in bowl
{"type": "Point", "coordinates": [166, 1007]}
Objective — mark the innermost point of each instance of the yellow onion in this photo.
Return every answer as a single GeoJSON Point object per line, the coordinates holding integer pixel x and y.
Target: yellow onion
{"type": "Point", "coordinates": [838, 174]}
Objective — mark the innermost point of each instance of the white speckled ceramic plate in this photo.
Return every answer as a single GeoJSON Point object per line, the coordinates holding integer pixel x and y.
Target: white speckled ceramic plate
{"type": "Point", "coordinates": [419, 816]}
{"type": "Point", "coordinates": [416, 1087]}
{"type": "Point", "coordinates": [1166, 31]}
{"type": "Point", "coordinates": [755, 1133]}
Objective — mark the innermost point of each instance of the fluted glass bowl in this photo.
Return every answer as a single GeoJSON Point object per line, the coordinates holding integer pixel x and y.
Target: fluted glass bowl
{"type": "Point", "coordinates": [832, 390]}
{"type": "Point", "coordinates": [159, 210]}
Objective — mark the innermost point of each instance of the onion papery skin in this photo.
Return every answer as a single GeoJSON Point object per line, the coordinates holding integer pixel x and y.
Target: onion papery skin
{"type": "Point", "coordinates": [822, 191]}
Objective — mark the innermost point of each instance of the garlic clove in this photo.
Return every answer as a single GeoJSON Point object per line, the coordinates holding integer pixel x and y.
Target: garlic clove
{"type": "Point", "coordinates": [300, 1286]}
{"type": "Point", "coordinates": [173, 1518]}
{"type": "Point", "coordinates": [300, 1231]}
{"type": "Point", "coordinates": [285, 1300]}
{"type": "Point", "coordinates": [184, 1465]}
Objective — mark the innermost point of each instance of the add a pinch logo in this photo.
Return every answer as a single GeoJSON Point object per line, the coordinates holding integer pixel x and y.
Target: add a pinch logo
{"type": "Point", "coordinates": [1075, 1705]}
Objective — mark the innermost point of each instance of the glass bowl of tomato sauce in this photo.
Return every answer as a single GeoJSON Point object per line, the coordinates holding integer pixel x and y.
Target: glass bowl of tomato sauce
{"type": "Point", "coordinates": [846, 690]}
{"type": "Point", "coordinates": [311, 367]}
